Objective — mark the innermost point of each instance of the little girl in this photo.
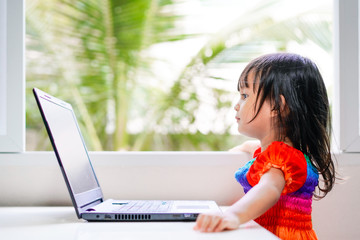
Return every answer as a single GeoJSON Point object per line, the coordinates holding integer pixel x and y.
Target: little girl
{"type": "Point", "coordinates": [283, 103]}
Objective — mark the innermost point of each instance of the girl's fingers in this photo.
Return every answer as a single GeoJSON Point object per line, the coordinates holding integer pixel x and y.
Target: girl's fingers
{"type": "Point", "coordinates": [215, 221]}
{"type": "Point", "coordinates": [221, 226]}
{"type": "Point", "coordinates": [199, 221]}
{"type": "Point", "coordinates": [202, 222]}
{"type": "Point", "coordinates": [207, 222]}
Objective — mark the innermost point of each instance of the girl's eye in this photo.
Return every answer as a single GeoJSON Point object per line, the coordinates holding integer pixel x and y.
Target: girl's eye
{"type": "Point", "coordinates": [243, 96]}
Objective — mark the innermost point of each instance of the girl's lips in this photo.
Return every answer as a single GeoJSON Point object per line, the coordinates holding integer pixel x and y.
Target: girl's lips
{"type": "Point", "coordinates": [237, 119]}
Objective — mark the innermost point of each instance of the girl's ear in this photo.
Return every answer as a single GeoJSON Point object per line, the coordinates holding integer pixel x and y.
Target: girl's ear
{"type": "Point", "coordinates": [284, 110]}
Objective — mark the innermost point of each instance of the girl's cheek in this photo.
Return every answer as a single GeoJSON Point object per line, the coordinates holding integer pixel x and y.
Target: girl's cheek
{"type": "Point", "coordinates": [242, 105]}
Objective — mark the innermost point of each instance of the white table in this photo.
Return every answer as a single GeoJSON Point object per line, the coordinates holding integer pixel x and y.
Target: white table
{"type": "Point", "coordinates": [62, 223]}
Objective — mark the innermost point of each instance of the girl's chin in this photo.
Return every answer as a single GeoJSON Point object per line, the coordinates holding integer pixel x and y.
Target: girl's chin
{"type": "Point", "coordinates": [245, 133]}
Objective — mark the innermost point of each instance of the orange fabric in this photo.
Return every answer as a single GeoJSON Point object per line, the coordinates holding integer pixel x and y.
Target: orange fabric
{"type": "Point", "coordinates": [284, 157]}
{"type": "Point", "coordinates": [287, 233]}
{"type": "Point", "coordinates": [289, 219]}
{"type": "Point", "coordinates": [257, 152]}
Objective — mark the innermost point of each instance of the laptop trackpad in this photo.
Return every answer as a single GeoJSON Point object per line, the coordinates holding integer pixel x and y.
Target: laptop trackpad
{"type": "Point", "coordinates": [195, 206]}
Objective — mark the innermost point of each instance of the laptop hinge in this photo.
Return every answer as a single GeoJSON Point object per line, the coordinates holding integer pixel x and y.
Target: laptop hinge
{"type": "Point", "coordinates": [89, 205]}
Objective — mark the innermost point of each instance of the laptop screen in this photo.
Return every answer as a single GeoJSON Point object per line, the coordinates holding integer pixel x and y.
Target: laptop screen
{"type": "Point", "coordinates": [70, 146]}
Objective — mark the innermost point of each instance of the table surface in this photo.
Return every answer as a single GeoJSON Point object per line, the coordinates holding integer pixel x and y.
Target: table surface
{"type": "Point", "coordinates": [62, 223]}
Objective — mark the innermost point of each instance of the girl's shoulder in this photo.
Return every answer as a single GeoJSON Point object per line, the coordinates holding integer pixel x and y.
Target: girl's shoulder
{"type": "Point", "coordinates": [289, 160]}
{"type": "Point", "coordinates": [280, 149]}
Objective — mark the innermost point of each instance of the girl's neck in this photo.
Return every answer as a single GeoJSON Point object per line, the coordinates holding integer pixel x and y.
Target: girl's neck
{"type": "Point", "coordinates": [266, 142]}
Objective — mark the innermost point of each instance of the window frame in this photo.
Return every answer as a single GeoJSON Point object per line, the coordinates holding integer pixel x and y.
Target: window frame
{"type": "Point", "coordinates": [12, 28]}
{"type": "Point", "coordinates": [346, 55]}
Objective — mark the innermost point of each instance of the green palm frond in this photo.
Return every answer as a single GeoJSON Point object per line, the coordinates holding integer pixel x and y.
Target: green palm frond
{"type": "Point", "coordinates": [96, 47]}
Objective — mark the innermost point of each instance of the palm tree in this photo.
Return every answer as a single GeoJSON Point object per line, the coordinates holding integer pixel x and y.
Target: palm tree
{"type": "Point", "coordinates": [95, 50]}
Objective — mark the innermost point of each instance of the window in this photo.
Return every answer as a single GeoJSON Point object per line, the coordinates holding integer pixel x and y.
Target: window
{"type": "Point", "coordinates": [101, 60]}
{"type": "Point", "coordinates": [346, 51]}
{"type": "Point", "coordinates": [12, 94]}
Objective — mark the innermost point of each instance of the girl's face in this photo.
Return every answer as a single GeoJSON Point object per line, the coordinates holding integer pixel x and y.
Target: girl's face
{"type": "Point", "coordinates": [260, 127]}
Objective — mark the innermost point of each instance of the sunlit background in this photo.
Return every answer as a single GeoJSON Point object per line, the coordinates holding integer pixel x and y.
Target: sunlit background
{"type": "Point", "coordinates": [147, 75]}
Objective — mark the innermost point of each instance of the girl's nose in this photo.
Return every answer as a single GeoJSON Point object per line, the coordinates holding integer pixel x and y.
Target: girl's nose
{"type": "Point", "coordinates": [237, 107]}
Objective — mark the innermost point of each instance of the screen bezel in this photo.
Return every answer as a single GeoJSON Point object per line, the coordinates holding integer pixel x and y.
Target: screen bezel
{"type": "Point", "coordinates": [83, 200]}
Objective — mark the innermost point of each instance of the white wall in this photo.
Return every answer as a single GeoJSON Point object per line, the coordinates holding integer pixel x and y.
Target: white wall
{"type": "Point", "coordinates": [337, 216]}
{"type": "Point", "coordinates": [35, 179]}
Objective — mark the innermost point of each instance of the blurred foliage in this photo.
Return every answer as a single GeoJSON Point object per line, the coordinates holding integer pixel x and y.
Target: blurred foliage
{"type": "Point", "coordinates": [92, 54]}
{"type": "Point", "coordinates": [89, 52]}
{"type": "Point", "coordinates": [253, 34]}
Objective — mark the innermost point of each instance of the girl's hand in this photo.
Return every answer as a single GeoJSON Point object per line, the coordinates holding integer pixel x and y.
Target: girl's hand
{"type": "Point", "coordinates": [216, 222]}
{"type": "Point", "coordinates": [248, 146]}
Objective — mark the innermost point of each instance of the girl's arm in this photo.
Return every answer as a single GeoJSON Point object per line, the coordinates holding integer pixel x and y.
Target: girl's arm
{"type": "Point", "coordinates": [256, 202]}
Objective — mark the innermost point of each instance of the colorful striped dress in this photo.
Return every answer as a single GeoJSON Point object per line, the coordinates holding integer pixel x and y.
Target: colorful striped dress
{"type": "Point", "coordinates": [290, 217]}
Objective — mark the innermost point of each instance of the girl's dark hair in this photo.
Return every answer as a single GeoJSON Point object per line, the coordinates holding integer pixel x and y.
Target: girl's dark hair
{"type": "Point", "coordinates": [305, 119]}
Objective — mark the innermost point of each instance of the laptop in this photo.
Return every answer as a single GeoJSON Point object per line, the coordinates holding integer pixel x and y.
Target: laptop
{"type": "Point", "coordinates": [81, 180]}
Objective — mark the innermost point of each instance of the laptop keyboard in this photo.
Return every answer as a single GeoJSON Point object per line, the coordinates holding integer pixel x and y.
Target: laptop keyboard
{"type": "Point", "coordinates": [143, 207]}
